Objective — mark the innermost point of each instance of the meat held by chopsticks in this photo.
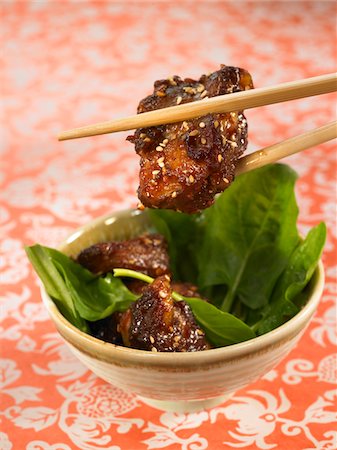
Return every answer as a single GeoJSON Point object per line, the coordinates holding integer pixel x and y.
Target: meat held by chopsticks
{"type": "Point", "coordinates": [183, 165]}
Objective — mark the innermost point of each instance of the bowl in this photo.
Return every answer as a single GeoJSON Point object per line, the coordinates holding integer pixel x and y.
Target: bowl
{"type": "Point", "coordinates": [179, 382]}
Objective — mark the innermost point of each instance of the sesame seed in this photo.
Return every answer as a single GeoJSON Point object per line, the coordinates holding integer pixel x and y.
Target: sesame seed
{"type": "Point", "coordinates": [226, 180]}
{"type": "Point", "coordinates": [165, 141]}
{"type": "Point", "coordinates": [159, 148]}
{"type": "Point", "coordinates": [174, 194]}
{"type": "Point", "coordinates": [189, 90]}
{"type": "Point", "coordinates": [202, 124]}
{"type": "Point", "coordinates": [153, 349]}
{"type": "Point", "coordinates": [191, 179]}
{"type": "Point", "coordinates": [200, 88]}
{"type": "Point", "coordinates": [161, 159]}
{"type": "Point", "coordinates": [224, 140]}
{"type": "Point", "coordinates": [179, 100]}
{"type": "Point", "coordinates": [194, 133]}
{"type": "Point", "coordinates": [233, 144]}
{"type": "Point", "coordinates": [203, 141]}
{"type": "Point", "coordinates": [216, 124]}
{"type": "Point", "coordinates": [140, 206]}
{"type": "Point", "coordinates": [167, 277]}
{"type": "Point", "coordinates": [142, 135]}
{"type": "Point", "coordinates": [147, 139]}
{"type": "Point", "coordinates": [162, 294]}
{"type": "Point", "coordinates": [155, 172]}
{"type": "Point", "coordinates": [185, 125]}
{"type": "Point", "coordinates": [152, 339]}
{"type": "Point", "coordinates": [161, 164]}
{"type": "Point", "coordinates": [172, 82]}
{"type": "Point", "coordinates": [162, 144]}
{"type": "Point", "coordinates": [203, 94]}
{"type": "Point", "coordinates": [220, 158]}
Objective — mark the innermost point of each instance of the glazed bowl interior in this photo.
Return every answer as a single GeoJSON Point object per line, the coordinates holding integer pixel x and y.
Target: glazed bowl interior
{"type": "Point", "coordinates": [176, 381]}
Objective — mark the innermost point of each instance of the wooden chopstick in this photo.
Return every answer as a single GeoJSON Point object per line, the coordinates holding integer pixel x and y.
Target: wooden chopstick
{"type": "Point", "coordinates": [222, 103]}
{"type": "Point", "coordinates": [286, 148]}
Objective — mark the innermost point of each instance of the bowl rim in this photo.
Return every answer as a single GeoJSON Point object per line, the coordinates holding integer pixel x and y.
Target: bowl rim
{"type": "Point", "coordinates": [112, 352]}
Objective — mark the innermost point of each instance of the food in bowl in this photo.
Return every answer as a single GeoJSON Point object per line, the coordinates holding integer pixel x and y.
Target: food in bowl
{"type": "Point", "coordinates": [185, 164]}
{"type": "Point", "coordinates": [248, 266]}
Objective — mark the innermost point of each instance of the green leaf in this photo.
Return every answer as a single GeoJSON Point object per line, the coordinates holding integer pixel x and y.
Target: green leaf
{"type": "Point", "coordinates": [221, 328]}
{"type": "Point", "coordinates": [293, 281]}
{"type": "Point", "coordinates": [251, 232]}
{"type": "Point", "coordinates": [301, 265]}
{"type": "Point", "coordinates": [182, 233]}
{"type": "Point", "coordinates": [78, 293]}
{"type": "Point", "coordinates": [54, 284]}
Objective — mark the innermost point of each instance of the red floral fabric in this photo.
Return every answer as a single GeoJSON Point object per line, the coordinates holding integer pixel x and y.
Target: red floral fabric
{"type": "Point", "coordinates": [66, 64]}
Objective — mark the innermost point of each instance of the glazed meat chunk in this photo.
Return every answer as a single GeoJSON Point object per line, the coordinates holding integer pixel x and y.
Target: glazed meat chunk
{"type": "Point", "coordinates": [147, 254]}
{"type": "Point", "coordinates": [183, 165]}
{"type": "Point", "coordinates": [156, 322]}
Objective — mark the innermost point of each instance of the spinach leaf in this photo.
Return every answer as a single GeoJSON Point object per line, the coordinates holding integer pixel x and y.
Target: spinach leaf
{"type": "Point", "coordinates": [301, 265]}
{"type": "Point", "coordinates": [182, 233]}
{"type": "Point", "coordinates": [79, 294]}
{"type": "Point", "coordinates": [274, 315]}
{"type": "Point", "coordinates": [293, 280]}
{"type": "Point", "coordinates": [221, 328]}
{"type": "Point", "coordinates": [54, 284]}
{"type": "Point", "coordinates": [251, 232]}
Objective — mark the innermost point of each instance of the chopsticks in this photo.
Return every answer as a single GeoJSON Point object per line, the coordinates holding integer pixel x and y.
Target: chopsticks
{"type": "Point", "coordinates": [253, 98]}
{"type": "Point", "coordinates": [286, 148]}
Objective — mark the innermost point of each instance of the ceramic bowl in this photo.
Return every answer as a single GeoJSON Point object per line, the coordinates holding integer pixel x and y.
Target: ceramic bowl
{"type": "Point", "coordinates": [180, 382]}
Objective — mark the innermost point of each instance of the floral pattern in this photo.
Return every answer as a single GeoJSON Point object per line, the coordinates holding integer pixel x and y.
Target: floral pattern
{"type": "Point", "coordinates": [68, 64]}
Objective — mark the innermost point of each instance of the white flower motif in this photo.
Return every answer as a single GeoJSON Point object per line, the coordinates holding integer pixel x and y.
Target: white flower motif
{"type": "Point", "coordinates": [256, 418]}
{"type": "Point", "coordinates": [37, 418]}
{"type": "Point", "coordinates": [65, 366]}
{"type": "Point", "coordinates": [42, 445]}
{"type": "Point", "coordinates": [14, 264]}
{"type": "Point", "coordinates": [326, 329]}
{"type": "Point", "coordinates": [166, 434]}
{"type": "Point", "coordinates": [42, 229]}
{"type": "Point", "coordinates": [5, 443]}
{"type": "Point", "coordinates": [297, 369]}
{"type": "Point", "coordinates": [25, 314]}
{"type": "Point", "coordinates": [270, 376]}
{"type": "Point", "coordinates": [8, 372]}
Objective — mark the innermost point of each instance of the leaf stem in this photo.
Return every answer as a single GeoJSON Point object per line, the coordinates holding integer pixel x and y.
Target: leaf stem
{"type": "Point", "coordinates": [142, 277]}
{"type": "Point", "coordinates": [228, 301]}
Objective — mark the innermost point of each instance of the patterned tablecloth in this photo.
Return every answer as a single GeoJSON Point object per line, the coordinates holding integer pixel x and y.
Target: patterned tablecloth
{"type": "Point", "coordinates": [66, 64]}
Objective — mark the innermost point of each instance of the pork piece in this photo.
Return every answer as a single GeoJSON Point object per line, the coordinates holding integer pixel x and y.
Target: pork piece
{"type": "Point", "coordinates": [183, 165]}
{"type": "Point", "coordinates": [147, 254]}
{"type": "Point", "coordinates": [158, 323]}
